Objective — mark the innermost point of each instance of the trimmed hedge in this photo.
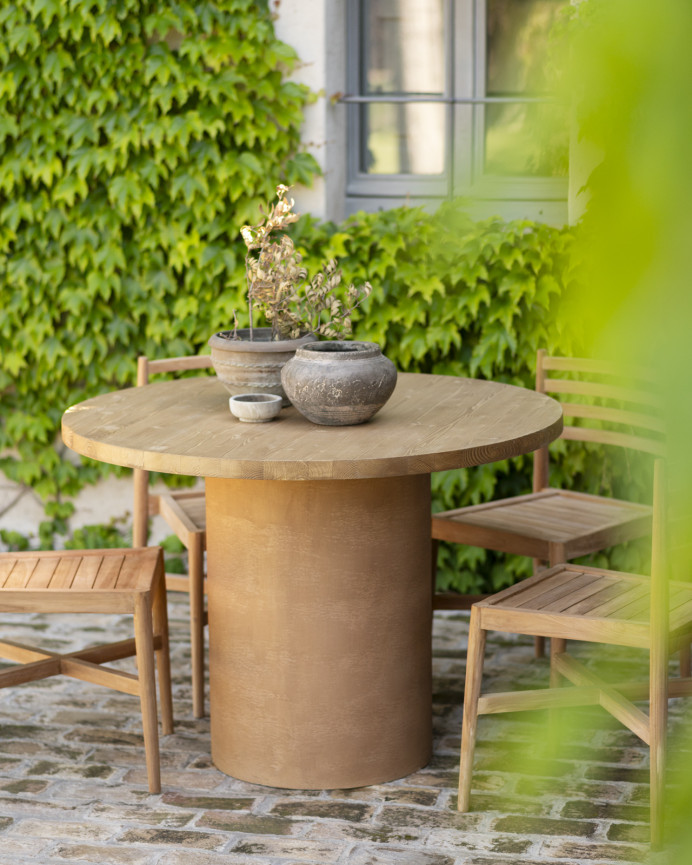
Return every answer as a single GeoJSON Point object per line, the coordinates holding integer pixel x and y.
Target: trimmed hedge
{"type": "Point", "coordinates": [458, 297]}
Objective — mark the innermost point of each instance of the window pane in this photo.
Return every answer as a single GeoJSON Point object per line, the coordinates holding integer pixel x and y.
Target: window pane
{"type": "Point", "coordinates": [402, 138]}
{"type": "Point", "coordinates": [522, 138]}
{"type": "Point", "coordinates": [526, 139]}
{"type": "Point", "coordinates": [403, 46]}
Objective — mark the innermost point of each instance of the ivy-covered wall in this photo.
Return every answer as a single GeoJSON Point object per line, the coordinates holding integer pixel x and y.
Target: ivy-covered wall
{"type": "Point", "coordinates": [135, 139]}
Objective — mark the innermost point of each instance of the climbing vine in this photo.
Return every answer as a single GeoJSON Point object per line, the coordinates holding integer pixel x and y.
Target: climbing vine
{"type": "Point", "coordinates": [135, 139]}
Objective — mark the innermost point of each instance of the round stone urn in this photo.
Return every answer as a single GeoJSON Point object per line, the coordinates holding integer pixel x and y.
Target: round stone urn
{"type": "Point", "coordinates": [245, 365]}
{"type": "Point", "coordinates": [339, 383]}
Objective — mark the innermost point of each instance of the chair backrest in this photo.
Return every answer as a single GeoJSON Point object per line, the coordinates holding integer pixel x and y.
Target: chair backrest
{"type": "Point", "coordinates": [145, 369]}
{"type": "Point", "coordinates": [679, 524]}
{"type": "Point", "coordinates": [660, 566]}
{"type": "Point", "coordinates": [602, 403]}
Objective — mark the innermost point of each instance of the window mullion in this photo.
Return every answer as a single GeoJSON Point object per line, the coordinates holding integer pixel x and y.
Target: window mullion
{"type": "Point", "coordinates": [479, 89]}
{"type": "Point", "coordinates": [464, 78]}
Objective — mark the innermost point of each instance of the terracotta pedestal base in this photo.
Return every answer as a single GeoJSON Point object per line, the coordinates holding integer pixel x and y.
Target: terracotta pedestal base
{"type": "Point", "coordinates": [319, 629]}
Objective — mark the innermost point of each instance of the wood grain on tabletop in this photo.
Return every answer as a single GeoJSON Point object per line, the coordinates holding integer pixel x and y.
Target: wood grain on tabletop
{"type": "Point", "coordinates": [431, 423]}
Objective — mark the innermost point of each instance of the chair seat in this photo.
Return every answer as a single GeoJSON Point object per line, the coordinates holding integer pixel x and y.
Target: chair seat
{"type": "Point", "coordinates": [96, 581]}
{"type": "Point", "coordinates": [77, 581]}
{"type": "Point", "coordinates": [591, 604]}
{"type": "Point", "coordinates": [184, 512]}
{"type": "Point", "coordinates": [528, 525]}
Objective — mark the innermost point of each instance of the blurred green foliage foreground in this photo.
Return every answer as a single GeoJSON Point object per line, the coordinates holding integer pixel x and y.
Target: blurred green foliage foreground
{"type": "Point", "coordinates": [630, 80]}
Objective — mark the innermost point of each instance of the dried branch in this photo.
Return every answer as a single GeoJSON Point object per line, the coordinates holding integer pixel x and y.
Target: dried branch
{"type": "Point", "coordinates": [277, 282]}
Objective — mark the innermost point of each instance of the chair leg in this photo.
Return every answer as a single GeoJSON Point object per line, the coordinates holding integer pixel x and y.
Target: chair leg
{"type": "Point", "coordinates": [686, 660]}
{"type": "Point", "coordinates": [144, 644]}
{"type": "Point", "coordinates": [163, 660]}
{"type": "Point", "coordinates": [556, 553]}
{"type": "Point", "coordinates": [196, 575]}
{"type": "Point", "coordinates": [472, 690]}
{"type": "Point", "coordinates": [658, 719]}
{"type": "Point", "coordinates": [538, 642]}
{"type": "Point", "coordinates": [434, 547]}
{"type": "Point", "coordinates": [557, 647]}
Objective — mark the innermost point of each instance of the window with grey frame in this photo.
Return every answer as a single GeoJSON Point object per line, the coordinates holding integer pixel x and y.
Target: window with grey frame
{"type": "Point", "coordinates": [451, 97]}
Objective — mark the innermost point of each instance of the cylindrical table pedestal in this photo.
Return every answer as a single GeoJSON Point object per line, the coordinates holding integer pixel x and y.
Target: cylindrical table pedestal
{"type": "Point", "coordinates": [319, 629]}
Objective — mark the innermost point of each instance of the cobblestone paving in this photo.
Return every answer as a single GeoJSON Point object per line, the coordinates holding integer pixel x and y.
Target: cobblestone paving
{"type": "Point", "coordinates": [73, 785]}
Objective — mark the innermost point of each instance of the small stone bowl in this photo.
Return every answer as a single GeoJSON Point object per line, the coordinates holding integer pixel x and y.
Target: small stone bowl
{"type": "Point", "coordinates": [255, 407]}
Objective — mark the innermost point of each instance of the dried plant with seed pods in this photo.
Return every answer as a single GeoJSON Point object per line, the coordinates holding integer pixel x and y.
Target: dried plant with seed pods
{"type": "Point", "coordinates": [278, 285]}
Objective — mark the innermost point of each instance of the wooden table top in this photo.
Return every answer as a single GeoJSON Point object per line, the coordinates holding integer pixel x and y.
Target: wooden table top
{"type": "Point", "coordinates": [431, 423]}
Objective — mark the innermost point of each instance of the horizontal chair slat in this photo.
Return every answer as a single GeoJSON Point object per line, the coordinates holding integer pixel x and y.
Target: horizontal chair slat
{"type": "Point", "coordinates": [613, 415]}
{"type": "Point", "coordinates": [553, 624]}
{"type": "Point", "coordinates": [610, 437]}
{"type": "Point", "coordinates": [12, 651]}
{"type": "Point", "coordinates": [29, 672]}
{"type": "Point", "coordinates": [577, 695]}
{"type": "Point", "coordinates": [604, 391]}
{"type": "Point", "coordinates": [66, 601]}
{"type": "Point", "coordinates": [612, 700]}
{"type": "Point", "coordinates": [179, 364]}
{"type": "Point", "coordinates": [595, 367]}
{"type": "Point", "coordinates": [544, 698]}
{"type": "Point", "coordinates": [118, 680]}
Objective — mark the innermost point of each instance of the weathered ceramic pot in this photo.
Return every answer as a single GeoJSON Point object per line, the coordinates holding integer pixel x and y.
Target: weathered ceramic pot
{"type": "Point", "coordinates": [252, 366]}
{"type": "Point", "coordinates": [339, 383]}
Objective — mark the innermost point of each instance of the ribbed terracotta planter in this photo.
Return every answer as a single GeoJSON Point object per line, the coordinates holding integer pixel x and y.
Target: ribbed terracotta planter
{"type": "Point", "coordinates": [253, 366]}
{"type": "Point", "coordinates": [339, 383]}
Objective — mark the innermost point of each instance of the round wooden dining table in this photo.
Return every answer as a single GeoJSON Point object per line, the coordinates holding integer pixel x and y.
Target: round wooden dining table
{"type": "Point", "coordinates": [318, 560]}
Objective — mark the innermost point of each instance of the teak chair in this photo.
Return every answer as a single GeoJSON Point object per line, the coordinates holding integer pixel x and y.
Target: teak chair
{"type": "Point", "coordinates": [553, 525]}
{"type": "Point", "coordinates": [96, 581]}
{"type": "Point", "coordinates": [184, 511]}
{"type": "Point", "coordinates": [596, 605]}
